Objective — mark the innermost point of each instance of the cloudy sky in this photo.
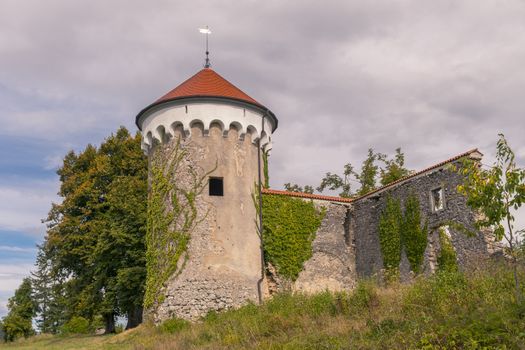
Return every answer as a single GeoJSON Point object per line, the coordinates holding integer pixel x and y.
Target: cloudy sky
{"type": "Point", "coordinates": [436, 78]}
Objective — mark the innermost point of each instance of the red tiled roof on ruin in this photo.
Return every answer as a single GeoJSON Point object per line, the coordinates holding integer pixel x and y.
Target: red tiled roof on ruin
{"type": "Point", "coordinates": [306, 195]}
{"type": "Point", "coordinates": [380, 189]}
{"type": "Point", "coordinates": [421, 172]}
{"type": "Point", "coordinates": [208, 83]}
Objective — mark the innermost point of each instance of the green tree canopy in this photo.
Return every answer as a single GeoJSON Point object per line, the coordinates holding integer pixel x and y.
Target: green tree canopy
{"type": "Point", "coordinates": [369, 176]}
{"type": "Point", "coordinates": [496, 192]}
{"type": "Point", "coordinates": [95, 237]}
{"type": "Point", "coordinates": [22, 308]}
{"type": "Point", "coordinates": [334, 182]}
{"type": "Point", "coordinates": [296, 188]}
{"type": "Point", "coordinates": [393, 169]}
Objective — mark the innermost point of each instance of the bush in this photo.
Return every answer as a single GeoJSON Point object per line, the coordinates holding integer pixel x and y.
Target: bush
{"type": "Point", "coordinates": [447, 259]}
{"type": "Point", "coordinates": [76, 325]}
{"type": "Point", "coordinates": [119, 328]}
{"type": "Point", "coordinates": [468, 311]}
{"type": "Point", "coordinates": [14, 327]}
{"type": "Point", "coordinates": [174, 325]}
{"type": "Point", "coordinates": [364, 296]}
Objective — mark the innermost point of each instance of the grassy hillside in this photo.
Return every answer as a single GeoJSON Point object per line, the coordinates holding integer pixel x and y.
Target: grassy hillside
{"type": "Point", "coordinates": [447, 311]}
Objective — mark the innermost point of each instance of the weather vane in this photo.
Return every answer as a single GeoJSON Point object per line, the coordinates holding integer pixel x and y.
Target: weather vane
{"type": "Point", "coordinates": [206, 31]}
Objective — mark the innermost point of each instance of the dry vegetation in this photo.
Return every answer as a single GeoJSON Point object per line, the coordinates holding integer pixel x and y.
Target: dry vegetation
{"type": "Point", "coordinates": [447, 311]}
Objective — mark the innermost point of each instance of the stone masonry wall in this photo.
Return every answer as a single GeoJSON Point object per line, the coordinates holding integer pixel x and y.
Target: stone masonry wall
{"type": "Point", "coordinates": [224, 264]}
{"type": "Point", "coordinates": [365, 214]}
{"type": "Point", "coordinates": [224, 267]}
{"type": "Point", "coordinates": [332, 265]}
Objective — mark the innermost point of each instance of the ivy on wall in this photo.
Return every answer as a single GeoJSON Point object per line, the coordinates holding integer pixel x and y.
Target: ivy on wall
{"type": "Point", "coordinates": [398, 229]}
{"type": "Point", "coordinates": [172, 216]}
{"type": "Point", "coordinates": [290, 225]}
{"type": "Point", "coordinates": [390, 234]}
{"type": "Point", "coordinates": [266, 183]}
{"type": "Point", "coordinates": [447, 259]}
{"type": "Point", "coordinates": [413, 235]}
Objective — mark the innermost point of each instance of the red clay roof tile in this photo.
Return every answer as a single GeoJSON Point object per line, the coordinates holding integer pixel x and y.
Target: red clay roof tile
{"type": "Point", "coordinates": [207, 83]}
{"type": "Point", "coordinates": [433, 167]}
{"type": "Point", "coordinates": [306, 195]}
{"type": "Point", "coordinates": [380, 189]}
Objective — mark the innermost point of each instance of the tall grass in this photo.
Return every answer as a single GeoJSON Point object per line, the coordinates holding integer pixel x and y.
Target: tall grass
{"type": "Point", "coordinates": [450, 310]}
{"type": "Point", "coordinates": [447, 311]}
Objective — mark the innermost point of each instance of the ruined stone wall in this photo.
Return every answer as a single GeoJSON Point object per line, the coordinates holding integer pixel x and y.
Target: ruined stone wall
{"type": "Point", "coordinates": [365, 214]}
{"type": "Point", "coordinates": [332, 265]}
{"type": "Point", "coordinates": [224, 264]}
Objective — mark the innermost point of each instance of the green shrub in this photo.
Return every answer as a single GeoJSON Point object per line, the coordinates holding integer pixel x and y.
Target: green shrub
{"type": "Point", "coordinates": [363, 297]}
{"type": "Point", "coordinates": [441, 293]}
{"type": "Point", "coordinates": [119, 328]}
{"type": "Point", "coordinates": [474, 311]}
{"type": "Point", "coordinates": [76, 325]}
{"type": "Point", "coordinates": [447, 259]}
{"type": "Point", "coordinates": [174, 325]}
{"type": "Point", "coordinates": [321, 303]}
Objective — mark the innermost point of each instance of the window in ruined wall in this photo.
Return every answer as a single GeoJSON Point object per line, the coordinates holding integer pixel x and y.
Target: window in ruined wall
{"type": "Point", "coordinates": [437, 199]}
{"type": "Point", "coordinates": [216, 186]}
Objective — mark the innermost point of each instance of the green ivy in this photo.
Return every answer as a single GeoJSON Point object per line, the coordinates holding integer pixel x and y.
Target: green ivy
{"type": "Point", "coordinates": [447, 259]}
{"type": "Point", "coordinates": [398, 229]}
{"type": "Point", "coordinates": [266, 183]}
{"type": "Point", "coordinates": [389, 234]}
{"type": "Point", "coordinates": [172, 216]}
{"type": "Point", "coordinates": [413, 235]}
{"type": "Point", "coordinates": [290, 225]}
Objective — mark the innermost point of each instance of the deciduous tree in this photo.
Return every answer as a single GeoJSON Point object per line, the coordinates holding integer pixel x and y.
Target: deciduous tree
{"type": "Point", "coordinates": [394, 169]}
{"type": "Point", "coordinates": [335, 182]}
{"type": "Point", "coordinates": [96, 235]}
{"type": "Point", "coordinates": [296, 188]}
{"type": "Point", "coordinates": [496, 192]}
{"type": "Point", "coordinates": [22, 308]}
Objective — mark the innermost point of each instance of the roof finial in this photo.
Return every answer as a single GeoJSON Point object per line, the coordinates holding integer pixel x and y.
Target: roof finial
{"type": "Point", "coordinates": [206, 31]}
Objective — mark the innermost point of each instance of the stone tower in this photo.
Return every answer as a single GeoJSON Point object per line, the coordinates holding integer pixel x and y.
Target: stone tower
{"type": "Point", "coordinates": [207, 136]}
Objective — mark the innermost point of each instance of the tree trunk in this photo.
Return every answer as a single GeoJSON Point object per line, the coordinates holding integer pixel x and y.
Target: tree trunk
{"type": "Point", "coordinates": [109, 320]}
{"type": "Point", "coordinates": [134, 317]}
{"type": "Point", "coordinates": [513, 253]}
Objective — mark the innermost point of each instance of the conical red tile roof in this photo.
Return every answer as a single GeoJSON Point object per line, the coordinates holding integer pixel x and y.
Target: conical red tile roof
{"type": "Point", "coordinates": [207, 83]}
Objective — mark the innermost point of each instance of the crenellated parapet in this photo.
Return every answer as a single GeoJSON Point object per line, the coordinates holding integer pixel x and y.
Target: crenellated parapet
{"type": "Point", "coordinates": [162, 123]}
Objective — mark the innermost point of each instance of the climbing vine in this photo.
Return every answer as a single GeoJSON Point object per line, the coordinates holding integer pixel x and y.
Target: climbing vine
{"type": "Point", "coordinates": [447, 259]}
{"type": "Point", "coordinates": [389, 235]}
{"type": "Point", "coordinates": [413, 235]}
{"type": "Point", "coordinates": [290, 225]}
{"type": "Point", "coordinates": [398, 229]}
{"type": "Point", "coordinates": [266, 183]}
{"type": "Point", "coordinates": [172, 216]}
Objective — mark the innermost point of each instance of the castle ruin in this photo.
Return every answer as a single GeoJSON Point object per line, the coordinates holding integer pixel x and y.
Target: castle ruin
{"type": "Point", "coordinates": [219, 136]}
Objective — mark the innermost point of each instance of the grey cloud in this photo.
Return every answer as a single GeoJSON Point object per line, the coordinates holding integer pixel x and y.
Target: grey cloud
{"type": "Point", "coordinates": [436, 78]}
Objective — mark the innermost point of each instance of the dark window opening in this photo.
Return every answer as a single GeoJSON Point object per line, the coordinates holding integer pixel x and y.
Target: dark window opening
{"type": "Point", "coordinates": [216, 186]}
